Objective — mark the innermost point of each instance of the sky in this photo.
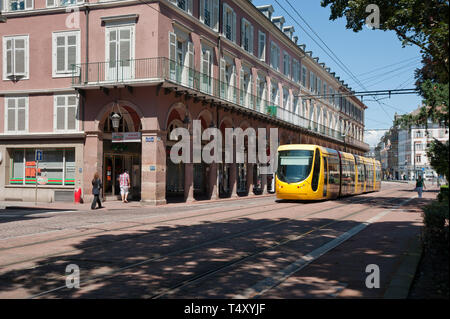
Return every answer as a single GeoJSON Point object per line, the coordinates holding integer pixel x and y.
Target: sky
{"type": "Point", "coordinates": [376, 58]}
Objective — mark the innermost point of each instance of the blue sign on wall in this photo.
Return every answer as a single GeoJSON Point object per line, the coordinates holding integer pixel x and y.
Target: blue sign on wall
{"type": "Point", "coordinates": [38, 156]}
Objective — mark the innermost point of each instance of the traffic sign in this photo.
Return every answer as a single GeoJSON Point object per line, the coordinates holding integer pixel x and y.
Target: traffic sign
{"type": "Point", "coordinates": [38, 156]}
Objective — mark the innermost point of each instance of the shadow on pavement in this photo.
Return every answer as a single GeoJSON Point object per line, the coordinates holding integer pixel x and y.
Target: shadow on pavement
{"type": "Point", "coordinates": [113, 252]}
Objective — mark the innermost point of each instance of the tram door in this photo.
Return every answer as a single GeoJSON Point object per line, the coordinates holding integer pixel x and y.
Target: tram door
{"type": "Point", "coordinates": [325, 176]}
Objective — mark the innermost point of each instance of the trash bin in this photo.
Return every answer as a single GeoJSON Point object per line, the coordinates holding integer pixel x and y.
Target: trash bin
{"type": "Point", "coordinates": [78, 195]}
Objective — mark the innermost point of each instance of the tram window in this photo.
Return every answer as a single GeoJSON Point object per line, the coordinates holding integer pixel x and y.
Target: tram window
{"type": "Point", "coordinates": [316, 172]}
{"type": "Point", "coordinates": [294, 166]}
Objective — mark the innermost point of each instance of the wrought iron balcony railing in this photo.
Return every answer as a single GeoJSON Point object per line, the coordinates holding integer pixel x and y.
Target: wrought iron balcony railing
{"type": "Point", "coordinates": [165, 70]}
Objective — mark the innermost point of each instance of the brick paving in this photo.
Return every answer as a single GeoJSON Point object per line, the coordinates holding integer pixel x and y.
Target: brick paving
{"type": "Point", "coordinates": [209, 249]}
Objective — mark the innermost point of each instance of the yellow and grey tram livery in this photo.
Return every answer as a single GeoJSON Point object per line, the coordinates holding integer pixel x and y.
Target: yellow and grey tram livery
{"type": "Point", "coordinates": [312, 172]}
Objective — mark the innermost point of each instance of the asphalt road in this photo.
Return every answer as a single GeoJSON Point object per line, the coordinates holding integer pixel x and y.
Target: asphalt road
{"type": "Point", "coordinates": [246, 248]}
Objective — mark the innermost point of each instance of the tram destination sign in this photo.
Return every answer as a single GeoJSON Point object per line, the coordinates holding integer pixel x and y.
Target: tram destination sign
{"type": "Point", "coordinates": [126, 137]}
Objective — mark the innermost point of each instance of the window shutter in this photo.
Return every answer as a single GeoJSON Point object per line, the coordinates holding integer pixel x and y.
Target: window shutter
{"type": "Point", "coordinates": [215, 14]}
{"type": "Point", "coordinates": [251, 39]}
{"type": "Point", "coordinates": [11, 114]}
{"type": "Point", "coordinates": [172, 54]}
{"type": "Point", "coordinates": [222, 77]}
{"type": "Point", "coordinates": [172, 46]}
{"type": "Point", "coordinates": [262, 46]}
{"type": "Point", "coordinates": [21, 112]}
{"type": "Point", "coordinates": [224, 19]}
{"type": "Point", "coordinates": [71, 52]}
{"type": "Point", "coordinates": [9, 57]}
{"type": "Point", "coordinates": [242, 33]}
{"type": "Point", "coordinates": [71, 112]}
{"type": "Point", "coordinates": [191, 63]}
{"type": "Point", "coordinates": [190, 6]}
{"type": "Point", "coordinates": [191, 55]}
{"type": "Point", "coordinates": [202, 11]}
{"type": "Point", "coordinates": [60, 118]}
{"type": "Point", "coordinates": [234, 27]}
{"type": "Point", "coordinates": [60, 53]}
{"type": "Point", "coordinates": [206, 63]}
{"type": "Point", "coordinates": [19, 56]}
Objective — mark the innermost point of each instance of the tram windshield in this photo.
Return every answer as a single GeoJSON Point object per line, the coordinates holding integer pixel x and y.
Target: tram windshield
{"type": "Point", "coordinates": [294, 166]}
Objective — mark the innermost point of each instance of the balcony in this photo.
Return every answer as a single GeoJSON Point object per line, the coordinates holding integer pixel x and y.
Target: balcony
{"type": "Point", "coordinates": [153, 71]}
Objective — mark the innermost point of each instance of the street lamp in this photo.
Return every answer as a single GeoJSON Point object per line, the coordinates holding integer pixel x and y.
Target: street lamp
{"type": "Point", "coordinates": [116, 117]}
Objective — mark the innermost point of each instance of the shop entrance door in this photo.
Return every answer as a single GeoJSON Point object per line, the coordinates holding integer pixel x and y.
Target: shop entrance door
{"type": "Point", "coordinates": [114, 166]}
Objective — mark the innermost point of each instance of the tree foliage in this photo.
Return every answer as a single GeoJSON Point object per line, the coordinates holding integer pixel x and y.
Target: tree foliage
{"type": "Point", "coordinates": [415, 22]}
{"type": "Point", "coordinates": [438, 155]}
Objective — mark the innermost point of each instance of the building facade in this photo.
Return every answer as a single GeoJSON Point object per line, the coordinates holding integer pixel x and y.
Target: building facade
{"type": "Point", "coordinates": [69, 66]}
{"type": "Point", "coordinates": [403, 152]}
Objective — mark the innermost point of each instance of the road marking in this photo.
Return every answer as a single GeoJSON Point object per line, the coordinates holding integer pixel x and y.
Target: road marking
{"type": "Point", "coordinates": [265, 285]}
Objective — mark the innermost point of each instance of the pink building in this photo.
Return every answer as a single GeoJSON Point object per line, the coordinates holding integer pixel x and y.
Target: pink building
{"type": "Point", "coordinates": [69, 65]}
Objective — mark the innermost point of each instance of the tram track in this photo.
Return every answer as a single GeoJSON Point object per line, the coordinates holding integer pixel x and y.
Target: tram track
{"type": "Point", "coordinates": [291, 238]}
{"type": "Point", "coordinates": [95, 278]}
{"type": "Point", "coordinates": [277, 205]}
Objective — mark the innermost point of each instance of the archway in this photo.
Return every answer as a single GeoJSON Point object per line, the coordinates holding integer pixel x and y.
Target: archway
{"type": "Point", "coordinates": [122, 149]}
{"type": "Point", "coordinates": [175, 176]}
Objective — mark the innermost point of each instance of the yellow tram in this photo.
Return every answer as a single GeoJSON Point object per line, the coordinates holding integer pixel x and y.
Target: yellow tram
{"type": "Point", "coordinates": [312, 172]}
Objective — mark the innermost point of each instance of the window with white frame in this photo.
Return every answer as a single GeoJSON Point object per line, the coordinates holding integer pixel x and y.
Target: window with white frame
{"type": "Point", "coordinates": [275, 56]}
{"type": "Point", "coordinates": [17, 5]}
{"type": "Point", "coordinates": [209, 13]}
{"type": "Point", "coordinates": [65, 112]}
{"type": "Point", "coordinates": [181, 55]}
{"type": "Point", "coordinates": [62, 3]}
{"type": "Point", "coordinates": [16, 114]}
{"type": "Point", "coordinates": [287, 64]}
{"type": "Point", "coordinates": [229, 23]}
{"type": "Point", "coordinates": [262, 46]}
{"type": "Point", "coordinates": [186, 5]}
{"type": "Point", "coordinates": [66, 52]}
{"type": "Point", "coordinates": [247, 36]}
{"type": "Point", "coordinates": [16, 57]}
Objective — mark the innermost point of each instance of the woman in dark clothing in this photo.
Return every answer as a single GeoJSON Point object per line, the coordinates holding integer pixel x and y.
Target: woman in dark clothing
{"type": "Point", "coordinates": [96, 187]}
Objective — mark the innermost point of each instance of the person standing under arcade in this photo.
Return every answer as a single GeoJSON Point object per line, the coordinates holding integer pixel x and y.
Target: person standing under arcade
{"type": "Point", "coordinates": [124, 185]}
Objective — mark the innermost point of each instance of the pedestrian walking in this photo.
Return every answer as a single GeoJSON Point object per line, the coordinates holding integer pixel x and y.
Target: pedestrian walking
{"type": "Point", "coordinates": [124, 185]}
{"type": "Point", "coordinates": [96, 187]}
{"type": "Point", "coordinates": [420, 186]}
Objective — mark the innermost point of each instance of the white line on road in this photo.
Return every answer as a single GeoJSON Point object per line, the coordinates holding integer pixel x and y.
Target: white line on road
{"type": "Point", "coordinates": [271, 282]}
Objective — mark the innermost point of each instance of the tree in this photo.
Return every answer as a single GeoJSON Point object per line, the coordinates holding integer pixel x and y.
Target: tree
{"type": "Point", "coordinates": [438, 153]}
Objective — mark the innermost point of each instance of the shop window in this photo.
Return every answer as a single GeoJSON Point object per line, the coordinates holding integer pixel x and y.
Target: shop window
{"type": "Point", "coordinates": [57, 166]}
